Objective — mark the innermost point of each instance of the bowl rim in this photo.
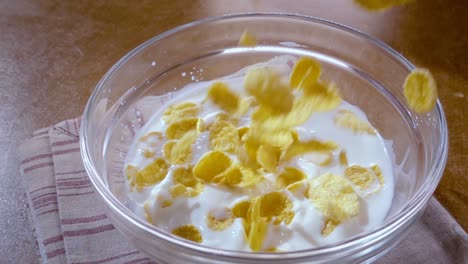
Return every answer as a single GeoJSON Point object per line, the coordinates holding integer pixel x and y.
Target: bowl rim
{"type": "Point", "coordinates": [405, 215]}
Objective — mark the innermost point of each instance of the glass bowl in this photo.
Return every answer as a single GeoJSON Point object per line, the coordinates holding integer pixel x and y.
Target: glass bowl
{"type": "Point", "coordinates": [369, 74]}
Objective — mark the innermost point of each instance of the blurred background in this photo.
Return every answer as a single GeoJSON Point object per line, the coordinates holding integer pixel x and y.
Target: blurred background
{"type": "Point", "coordinates": [52, 50]}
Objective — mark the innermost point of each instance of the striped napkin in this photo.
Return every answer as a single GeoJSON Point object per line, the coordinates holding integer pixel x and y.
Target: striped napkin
{"type": "Point", "coordinates": [72, 227]}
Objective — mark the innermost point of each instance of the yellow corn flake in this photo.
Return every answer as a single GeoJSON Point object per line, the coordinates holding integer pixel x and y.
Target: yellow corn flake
{"type": "Point", "coordinates": [191, 186]}
{"type": "Point", "coordinates": [334, 197]}
{"type": "Point", "coordinates": [330, 225]}
{"type": "Point", "coordinates": [226, 117]}
{"type": "Point", "coordinates": [250, 177]}
{"type": "Point", "coordinates": [167, 149]}
{"type": "Point", "coordinates": [220, 94]}
{"type": "Point", "coordinates": [150, 175]}
{"type": "Point", "coordinates": [152, 134]}
{"type": "Point", "coordinates": [267, 157]}
{"type": "Point", "coordinates": [181, 152]}
{"type": "Point", "coordinates": [266, 86]}
{"type": "Point", "coordinates": [177, 190]}
{"type": "Point", "coordinates": [320, 159]}
{"type": "Point", "coordinates": [375, 5]}
{"type": "Point", "coordinates": [420, 91]}
{"type": "Point", "coordinates": [277, 207]}
{"type": "Point", "coordinates": [230, 177]}
{"type": "Point", "coordinates": [148, 215]}
{"type": "Point", "coordinates": [322, 96]}
{"type": "Point", "coordinates": [255, 226]}
{"type": "Point", "coordinates": [289, 176]}
{"type": "Point", "coordinates": [166, 203]}
{"type": "Point", "coordinates": [306, 72]}
{"type": "Point", "coordinates": [148, 153]}
{"type": "Point", "coordinates": [219, 220]}
{"type": "Point", "coordinates": [179, 111]}
{"type": "Point", "coordinates": [359, 176]}
{"type": "Point", "coordinates": [245, 105]}
{"type": "Point", "coordinates": [179, 128]}
{"type": "Point", "coordinates": [248, 39]}
{"type": "Point", "coordinates": [272, 250]}
{"type": "Point", "coordinates": [189, 232]}
{"type": "Point", "coordinates": [378, 174]}
{"type": "Point", "coordinates": [224, 136]}
{"type": "Point", "coordinates": [302, 147]}
{"type": "Point", "coordinates": [248, 153]}
{"type": "Point", "coordinates": [211, 165]}
{"type": "Point", "coordinates": [241, 209]}
{"type": "Point", "coordinates": [299, 188]}
{"type": "Point", "coordinates": [241, 131]}
{"type": "Point", "coordinates": [343, 158]}
{"type": "Point", "coordinates": [349, 120]}
{"type": "Point", "coordinates": [131, 172]}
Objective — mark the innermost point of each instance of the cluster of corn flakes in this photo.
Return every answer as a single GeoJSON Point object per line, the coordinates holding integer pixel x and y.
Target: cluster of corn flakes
{"type": "Point", "coordinates": [239, 157]}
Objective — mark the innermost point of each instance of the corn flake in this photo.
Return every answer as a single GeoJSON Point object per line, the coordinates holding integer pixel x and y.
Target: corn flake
{"type": "Point", "coordinates": [224, 136]}
{"type": "Point", "coordinates": [167, 149]}
{"type": "Point", "coordinates": [378, 174]}
{"type": "Point", "coordinates": [268, 156]}
{"type": "Point", "coordinates": [302, 147]}
{"type": "Point", "coordinates": [220, 94]}
{"type": "Point", "coordinates": [289, 176]}
{"type": "Point", "coordinates": [241, 209]}
{"type": "Point", "coordinates": [343, 158]}
{"type": "Point", "coordinates": [191, 185]}
{"type": "Point", "coordinates": [330, 225]}
{"type": "Point", "coordinates": [322, 96]}
{"type": "Point", "coordinates": [255, 226]}
{"type": "Point", "coordinates": [241, 132]}
{"type": "Point", "coordinates": [359, 176]}
{"type": "Point", "coordinates": [306, 72]}
{"type": "Point", "coordinates": [179, 128]}
{"type": "Point", "coordinates": [179, 111]}
{"type": "Point", "coordinates": [153, 134]}
{"type": "Point", "coordinates": [219, 219]}
{"type": "Point", "coordinates": [189, 232]}
{"type": "Point", "coordinates": [150, 175]}
{"type": "Point", "coordinates": [181, 152]}
{"type": "Point", "coordinates": [266, 86]}
{"type": "Point", "coordinates": [349, 120]}
{"type": "Point", "coordinates": [248, 39]}
{"type": "Point", "coordinates": [420, 91]}
{"type": "Point", "coordinates": [276, 207]}
{"type": "Point", "coordinates": [334, 197]}
{"type": "Point", "coordinates": [211, 165]}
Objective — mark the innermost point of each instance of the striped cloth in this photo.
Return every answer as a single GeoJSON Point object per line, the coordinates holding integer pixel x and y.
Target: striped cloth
{"type": "Point", "coordinates": [70, 223]}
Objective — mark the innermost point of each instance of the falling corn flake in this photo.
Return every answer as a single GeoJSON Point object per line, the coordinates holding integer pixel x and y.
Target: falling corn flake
{"type": "Point", "coordinates": [167, 149]}
{"type": "Point", "coordinates": [222, 96]}
{"type": "Point", "coordinates": [376, 5]}
{"type": "Point", "coordinates": [179, 128]}
{"type": "Point", "coordinates": [420, 91]}
{"type": "Point", "coordinates": [334, 197]}
{"type": "Point", "coordinates": [181, 152]}
{"type": "Point", "coordinates": [266, 86]}
{"type": "Point", "coordinates": [268, 156]}
{"type": "Point", "coordinates": [224, 136]}
{"type": "Point", "coordinates": [247, 39]}
{"type": "Point", "coordinates": [359, 176]}
{"type": "Point", "coordinates": [211, 165]}
{"type": "Point", "coordinates": [305, 73]}
{"type": "Point", "coordinates": [178, 111]}
{"type": "Point", "coordinates": [230, 177]}
{"type": "Point", "coordinates": [322, 96]}
{"type": "Point", "coordinates": [256, 227]}
{"type": "Point", "coordinates": [150, 175]}
{"type": "Point", "coordinates": [189, 232]}
{"type": "Point", "coordinates": [250, 177]}
{"type": "Point", "coordinates": [343, 158]}
{"type": "Point", "coordinates": [241, 209]}
{"type": "Point", "coordinates": [289, 176]}
{"type": "Point", "coordinates": [219, 219]}
{"type": "Point", "coordinates": [241, 132]}
{"type": "Point", "coordinates": [349, 120]}
{"type": "Point", "coordinates": [303, 147]}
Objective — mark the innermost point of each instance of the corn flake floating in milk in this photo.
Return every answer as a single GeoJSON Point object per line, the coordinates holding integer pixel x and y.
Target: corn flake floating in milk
{"type": "Point", "coordinates": [322, 96]}
{"type": "Point", "coordinates": [185, 183]}
{"type": "Point", "coordinates": [255, 226]}
{"type": "Point", "coordinates": [266, 86]}
{"type": "Point", "coordinates": [224, 136]}
{"type": "Point", "coordinates": [268, 156]}
{"type": "Point", "coordinates": [247, 39]}
{"type": "Point", "coordinates": [303, 147]}
{"type": "Point", "coordinates": [179, 128]}
{"type": "Point", "coordinates": [289, 176]}
{"type": "Point", "coordinates": [276, 207]}
{"type": "Point", "coordinates": [220, 94]}
{"type": "Point", "coordinates": [378, 174]}
{"type": "Point", "coordinates": [359, 176]}
{"type": "Point", "coordinates": [189, 232]}
{"type": "Point", "coordinates": [420, 91]}
{"type": "Point", "coordinates": [219, 219]}
{"type": "Point", "coordinates": [211, 165]}
{"type": "Point", "coordinates": [153, 134]}
{"type": "Point", "coordinates": [241, 209]}
{"type": "Point", "coordinates": [349, 120]}
{"type": "Point", "coordinates": [334, 197]}
{"type": "Point", "coordinates": [178, 111]}
{"type": "Point", "coordinates": [150, 175]}
{"type": "Point", "coordinates": [181, 152]}
{"type": "Point", "coordinates": [306, 72]}
{"type": "Point", "coordinates": [167, 149]}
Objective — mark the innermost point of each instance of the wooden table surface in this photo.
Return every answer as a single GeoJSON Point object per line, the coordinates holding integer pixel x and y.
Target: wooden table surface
{"type": "Point", "coordinates": [53, 50]}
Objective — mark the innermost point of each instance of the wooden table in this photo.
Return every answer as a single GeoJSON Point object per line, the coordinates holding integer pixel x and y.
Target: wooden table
{"type": "Point", "coordinates": [52, 50]}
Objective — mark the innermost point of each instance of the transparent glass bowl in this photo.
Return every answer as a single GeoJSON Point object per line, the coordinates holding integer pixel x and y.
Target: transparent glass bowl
{"type": "Point", "coordinates": [369, 73]}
